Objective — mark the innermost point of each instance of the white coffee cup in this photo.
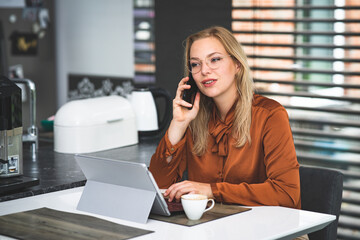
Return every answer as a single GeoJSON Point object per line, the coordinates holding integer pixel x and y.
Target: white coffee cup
{"type": "Point", "coordinates": [195, 205]}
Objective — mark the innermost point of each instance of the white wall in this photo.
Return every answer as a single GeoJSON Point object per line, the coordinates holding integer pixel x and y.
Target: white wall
{"type": "Point", "coordinates": [93, 37]}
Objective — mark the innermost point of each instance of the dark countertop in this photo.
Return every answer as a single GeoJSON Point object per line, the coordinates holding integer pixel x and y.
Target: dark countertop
{"type": "Point", "coordinates": [58, 171]}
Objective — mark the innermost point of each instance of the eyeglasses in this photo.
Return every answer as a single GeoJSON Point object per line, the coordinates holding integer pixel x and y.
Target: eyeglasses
{"type": "Point", "coordinates": [213, 62]}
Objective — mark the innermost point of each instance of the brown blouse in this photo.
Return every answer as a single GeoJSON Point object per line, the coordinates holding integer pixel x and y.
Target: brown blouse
{"type": "Point", "coordinates": [265, 172]}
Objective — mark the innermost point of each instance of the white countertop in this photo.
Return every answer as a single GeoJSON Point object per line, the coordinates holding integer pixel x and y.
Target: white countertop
{"type": "Point", "coordinates": [259, 223]}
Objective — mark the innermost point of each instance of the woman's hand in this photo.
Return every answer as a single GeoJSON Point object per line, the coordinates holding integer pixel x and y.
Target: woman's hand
{"type": "Point", "coordinates": [181, 113]}
{"type": "Point", "coordinates": [182, 116]}
{"type": "Point", "coordinates": [176, 190]}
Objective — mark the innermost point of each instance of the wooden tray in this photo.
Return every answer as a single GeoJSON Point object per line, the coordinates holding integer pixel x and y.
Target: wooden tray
{"type": "Point", "coordinates": [219, 211]}
{"type": "Point", "coordinates": [45, 223]}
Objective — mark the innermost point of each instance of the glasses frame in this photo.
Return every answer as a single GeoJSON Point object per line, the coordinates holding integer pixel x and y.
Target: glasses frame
{"type": "Point", "coordinates": [207, 63]}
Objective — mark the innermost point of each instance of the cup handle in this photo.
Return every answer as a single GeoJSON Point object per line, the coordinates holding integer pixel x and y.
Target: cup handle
{"type": "Point", "coordinates": [212, 204]}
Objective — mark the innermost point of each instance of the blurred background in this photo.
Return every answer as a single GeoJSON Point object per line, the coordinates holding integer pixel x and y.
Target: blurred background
{"type": "Point", "coordinates": [303, 53]}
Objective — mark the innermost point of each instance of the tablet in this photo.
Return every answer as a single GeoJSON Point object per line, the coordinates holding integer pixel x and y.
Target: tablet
{"type": "Point", "coordinates": [123, 173]}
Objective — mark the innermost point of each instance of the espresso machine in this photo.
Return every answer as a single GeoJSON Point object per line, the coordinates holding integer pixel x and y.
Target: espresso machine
{"type": "Point", "coordinates": [11, 152]}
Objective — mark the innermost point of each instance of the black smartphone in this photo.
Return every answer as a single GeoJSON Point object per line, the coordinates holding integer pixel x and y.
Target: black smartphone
{"type": "Point", "coordinates": [189, 94]}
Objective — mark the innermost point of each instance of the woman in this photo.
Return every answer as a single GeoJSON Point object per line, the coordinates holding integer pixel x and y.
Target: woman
{"type": "Point", "coordinates": [236, 146]}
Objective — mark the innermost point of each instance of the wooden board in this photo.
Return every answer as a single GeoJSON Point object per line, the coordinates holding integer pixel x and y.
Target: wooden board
{"type": "Point", "coordinates": [45, 223]}
{"type": "Point", "coordinates": [219, 211]}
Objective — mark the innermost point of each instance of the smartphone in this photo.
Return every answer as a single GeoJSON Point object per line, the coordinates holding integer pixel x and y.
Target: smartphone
{"type": "Point", "coordinates": [189, 94]}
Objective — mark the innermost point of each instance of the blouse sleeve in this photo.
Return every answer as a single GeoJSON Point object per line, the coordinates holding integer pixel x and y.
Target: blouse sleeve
{"type": "Point", "coordinates": [165, 173]}
{"type": "Point", "coordinates": [282, 186]}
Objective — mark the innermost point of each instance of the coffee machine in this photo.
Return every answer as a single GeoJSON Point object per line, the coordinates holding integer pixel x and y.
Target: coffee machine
{"type": "Point", "coordinates": [11, 152]}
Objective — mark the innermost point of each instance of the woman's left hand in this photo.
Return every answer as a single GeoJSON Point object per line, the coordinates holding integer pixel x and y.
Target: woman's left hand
{"type": "Point", "coordinates": [176, 190]}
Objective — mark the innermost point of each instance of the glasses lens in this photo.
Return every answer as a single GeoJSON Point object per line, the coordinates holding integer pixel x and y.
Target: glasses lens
{"type": "Point", "coordinates": [194, 66]}
{"type": "Point", "coordinates": [214, 61]}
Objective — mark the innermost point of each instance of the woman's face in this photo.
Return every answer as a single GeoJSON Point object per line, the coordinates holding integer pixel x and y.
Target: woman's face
{"type": "Point", "coordinates": [217, 78]}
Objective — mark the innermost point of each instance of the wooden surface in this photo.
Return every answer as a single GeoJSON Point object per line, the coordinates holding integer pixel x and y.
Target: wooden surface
{"type": "Point", "coordinates": [45, 223]}
{"type": "Point", "coordinates": [219, 211]}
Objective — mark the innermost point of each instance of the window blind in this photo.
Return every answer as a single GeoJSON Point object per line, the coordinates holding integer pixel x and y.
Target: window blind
{"type": "Point", "coordinates": [306, 55]}
{"type": "Point", "coordinates": [144, 42]}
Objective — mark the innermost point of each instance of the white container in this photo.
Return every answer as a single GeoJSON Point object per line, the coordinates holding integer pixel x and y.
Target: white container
{"type": "Point", "coordinates": [95, 124]}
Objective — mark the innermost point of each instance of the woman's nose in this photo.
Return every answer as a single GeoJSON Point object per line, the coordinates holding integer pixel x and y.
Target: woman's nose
{"type": "Point", "coordinates": [205, 69]}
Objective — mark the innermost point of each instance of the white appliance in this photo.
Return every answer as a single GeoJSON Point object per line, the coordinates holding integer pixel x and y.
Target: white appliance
{"type": "Point", "coordinates": [95, 124]}
{"type": "Point", "coordinates": [144, 107]}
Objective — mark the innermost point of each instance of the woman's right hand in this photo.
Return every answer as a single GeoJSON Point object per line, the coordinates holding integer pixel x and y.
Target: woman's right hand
{"type": "Point", "coordinates": [182, 116]}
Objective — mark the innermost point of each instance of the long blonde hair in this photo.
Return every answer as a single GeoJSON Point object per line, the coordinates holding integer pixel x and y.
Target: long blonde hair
{"type": "Point", "coordinates": [244, 84]}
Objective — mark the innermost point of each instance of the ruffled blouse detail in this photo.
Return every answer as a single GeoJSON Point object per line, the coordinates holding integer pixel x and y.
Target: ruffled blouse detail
{"type": "Point", "coordinates": [220, 130]}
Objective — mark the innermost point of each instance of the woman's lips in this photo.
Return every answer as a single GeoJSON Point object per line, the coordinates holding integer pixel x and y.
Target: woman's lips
{"type": "Point", "coordinates": [208, 82]}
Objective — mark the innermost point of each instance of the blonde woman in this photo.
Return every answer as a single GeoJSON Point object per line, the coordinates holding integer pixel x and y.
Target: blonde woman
{"type": "Point", "coordinates": [236, 146]}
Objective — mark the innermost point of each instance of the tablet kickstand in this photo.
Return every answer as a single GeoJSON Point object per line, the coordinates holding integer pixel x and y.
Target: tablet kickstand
{"type": "Point", "coordinates": [116, 201]}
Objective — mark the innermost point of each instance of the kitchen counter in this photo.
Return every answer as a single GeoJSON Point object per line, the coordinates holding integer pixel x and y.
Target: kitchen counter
{"type": "Point", "coordinates": [58, 171]}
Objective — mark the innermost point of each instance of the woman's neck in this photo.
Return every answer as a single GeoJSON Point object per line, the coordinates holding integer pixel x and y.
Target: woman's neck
{"type": "Point", "coordinates": [224, 105]}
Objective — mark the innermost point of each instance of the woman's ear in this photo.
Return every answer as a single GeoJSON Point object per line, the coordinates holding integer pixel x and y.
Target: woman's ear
{"type": "Point", "coordinates": [238, 66]}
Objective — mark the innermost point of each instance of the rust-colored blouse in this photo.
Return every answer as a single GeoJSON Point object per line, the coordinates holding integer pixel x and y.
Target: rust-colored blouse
{"type": "Point", "coordinates": [265, 172]}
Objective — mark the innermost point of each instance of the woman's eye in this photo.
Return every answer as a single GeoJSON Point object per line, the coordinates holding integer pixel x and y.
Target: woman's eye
{"type": "Point", "coordinates": [194, 64]}
{"type": "Point", "coordinates": [215, 59]}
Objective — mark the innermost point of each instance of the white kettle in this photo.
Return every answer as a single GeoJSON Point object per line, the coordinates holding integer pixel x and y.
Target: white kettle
{"type": "Point", "coordinates": [146, 110]}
